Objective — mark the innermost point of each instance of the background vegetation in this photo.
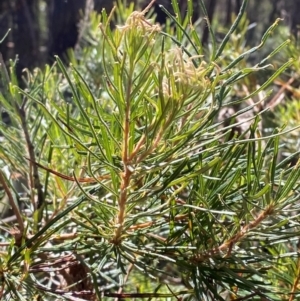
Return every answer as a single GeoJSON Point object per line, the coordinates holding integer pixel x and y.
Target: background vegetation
{"type": "Point", "coordinates": [41, 29]}
{"type": "Point", "coordinates": [158, 165]}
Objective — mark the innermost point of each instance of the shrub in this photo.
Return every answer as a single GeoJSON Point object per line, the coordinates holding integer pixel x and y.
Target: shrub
{"type": "Point", "coordinates": [136, 189]}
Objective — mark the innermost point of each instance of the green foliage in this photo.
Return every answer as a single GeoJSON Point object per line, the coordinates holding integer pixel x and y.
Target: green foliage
{"type": "Point", "coordinates": [286, 100]}
{"type": "Point", "coordinates": [136, 187]}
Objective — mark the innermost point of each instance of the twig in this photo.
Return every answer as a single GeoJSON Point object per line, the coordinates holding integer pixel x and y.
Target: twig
{"type": "Point", "coordinates": [126, 175]}
{"type": "Point", "coordinates": [34, 175]}
{"type": "Point", "coordinates": [13, 218]}
{"type": "Point", "coordinates": [296, 282]}
{"type": "Point", "coordinates": [68, 178]}
{"type": "Point", "coordinates": [12, 202]}
{"type": "Point", "coordinates": [280, 94]}
{"type": "Point", "coordinates": [227, 246]}
{"type": "Point", "coordinates": [129, 269]}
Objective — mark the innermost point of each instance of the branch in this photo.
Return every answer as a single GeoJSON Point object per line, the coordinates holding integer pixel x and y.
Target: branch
{"type": "Point", "coordinates": [34, 175]}
{"type": "Point", "coordinates": [12, 202]}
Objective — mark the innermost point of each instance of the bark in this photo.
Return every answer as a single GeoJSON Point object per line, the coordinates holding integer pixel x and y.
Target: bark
{"type": "Point", "coordinates": [295, 22]}
{"type": "Point", "coordinates": [21, 17]}
{"type": "Point", "coordinates": [64, 17]}
{"type": "Point", "coordinates": [228, 13]}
